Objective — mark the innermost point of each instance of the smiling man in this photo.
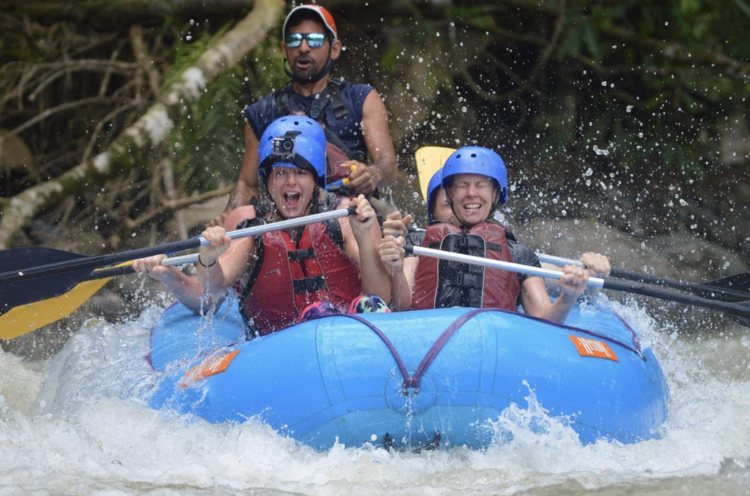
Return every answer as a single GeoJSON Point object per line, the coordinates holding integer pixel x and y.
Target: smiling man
{"type": "Point", "coordinates": [353, 115]}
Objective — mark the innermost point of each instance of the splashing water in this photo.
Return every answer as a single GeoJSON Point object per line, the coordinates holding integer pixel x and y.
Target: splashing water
{"type": "Point", "coordinates": [88, 429]}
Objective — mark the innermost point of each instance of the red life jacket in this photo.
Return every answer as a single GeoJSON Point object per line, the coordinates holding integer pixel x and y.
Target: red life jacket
{"type": "Point", "coordinates": [288, 277]}
{"type": "Point", "coordinates": [445, 284]}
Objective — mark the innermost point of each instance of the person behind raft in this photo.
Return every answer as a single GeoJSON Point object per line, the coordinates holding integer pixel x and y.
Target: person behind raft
{"type": "Point", "coordinates": [353, 115]}
{"type": "Point", "coordinates": [283, 272]}
{"type": "Point", "coordinates": [475, 180]}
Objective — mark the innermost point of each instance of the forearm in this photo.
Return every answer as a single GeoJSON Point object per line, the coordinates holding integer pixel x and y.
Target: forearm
{"type": "Point", "coordinates": [241, 194]}
{"type": "Point", "coordinates": [559, 310]}
{"type": "Point", "coordinates": [387, 169]}
{"type": "Point", "coordinates": [401, 291]}
{"type": "Point", "coordinates": [375, 279]}
{"type": "Point", "coordinates": [188, 291]}
{"type": "Point", "coordinates": [213, 278]}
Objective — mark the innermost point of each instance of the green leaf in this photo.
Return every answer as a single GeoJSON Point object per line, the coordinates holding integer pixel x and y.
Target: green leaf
{"type": "Point", "coordinates": [743, 7]}
{"type": "Point", "coordinates": [591, 38]}
{"type": "Point", "coordinates": [469, 12]}
{"type": "Point", "coordinates": [389, 60]}
{"type": "Point", "coordinates": [689, 6]}
{"type": "Point", "coordinates": [571, 44]}
{"type": "Point", "coordinates": [648, 19]}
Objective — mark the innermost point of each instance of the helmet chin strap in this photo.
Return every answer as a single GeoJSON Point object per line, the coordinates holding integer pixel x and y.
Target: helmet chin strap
{"type": "Point", "coordinates": [323, 72]}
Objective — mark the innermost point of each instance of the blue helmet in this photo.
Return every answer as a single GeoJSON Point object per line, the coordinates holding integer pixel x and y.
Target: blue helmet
{"type": "Point", "coordinates": [293, 141]}
{"type": "Point", "coordinates": [435, 182]}
{"type": "Point", "coordinates": [477, 160]}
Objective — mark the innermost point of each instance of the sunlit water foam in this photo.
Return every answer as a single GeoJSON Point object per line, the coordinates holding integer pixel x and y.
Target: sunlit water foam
{"type": "Point", "coordinates": [90, 430]}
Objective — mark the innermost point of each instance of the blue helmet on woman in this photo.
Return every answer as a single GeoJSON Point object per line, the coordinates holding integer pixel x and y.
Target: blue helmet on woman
{"type": "Point", "coordinates": [293, 141]}
{"type": "Point", "coordinates": [435, 182]}
{"type": "Point", "coordinates": [477, 160]}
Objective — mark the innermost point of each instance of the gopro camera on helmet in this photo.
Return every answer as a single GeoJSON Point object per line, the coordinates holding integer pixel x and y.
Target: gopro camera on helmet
{"type": "Point", "coordinates": [284, 146]}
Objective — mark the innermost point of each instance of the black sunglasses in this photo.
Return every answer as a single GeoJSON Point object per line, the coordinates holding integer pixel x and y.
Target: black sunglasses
{"type": "Point", "coordinates": [314, 40]}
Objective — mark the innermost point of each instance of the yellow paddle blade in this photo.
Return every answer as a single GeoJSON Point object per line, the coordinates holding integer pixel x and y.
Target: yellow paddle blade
{"type": "Point", "coordinates": [26, 318]}
{"type": "Point", "coordinates": [429, 160]}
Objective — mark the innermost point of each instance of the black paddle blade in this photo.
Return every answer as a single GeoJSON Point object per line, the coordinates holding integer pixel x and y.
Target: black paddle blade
{"type": "Point", "coordinates": [19, 258]}
{"type": "Point", "coordinates": [23, 292]}
{"type": "Point", "coordinates": [735, 289]}
{"type": "Point", "coordinates": [740, 282]}
{"type": "Point", "coordinates": [745, 321]}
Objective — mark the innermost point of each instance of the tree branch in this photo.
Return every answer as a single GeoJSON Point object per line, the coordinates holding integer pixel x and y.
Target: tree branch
{"type": "Point", "coordinates": [144, 61]}
{"type": "Point", "coordinates": [175, 206]}
{"type": "Point", "coordinates": [52, 111]}
{"type": "Point", "coordinates": [151, 129]}
{"type": "Point", "coordinates": [529, 83]}
{"type": "Point", "coordinates": [676, 52]}
{"type": "Point", "coordinates": [672, 51]}
{"type": "Point", "coordinates": [105, 14]}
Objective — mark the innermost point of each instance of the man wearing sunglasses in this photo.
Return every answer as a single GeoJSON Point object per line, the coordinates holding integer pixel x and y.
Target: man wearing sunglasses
{"type": "Point", "coordinates": [353, 115]}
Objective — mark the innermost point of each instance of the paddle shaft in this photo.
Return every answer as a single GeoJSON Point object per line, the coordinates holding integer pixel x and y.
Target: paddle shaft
{"type": "Point", "coordinates": [702, 289]}
{"type": "Point", "coordinates": [594, 282]}
{"type": "Point", "coordinates": [128, 269]}
{"type": "Point", "coordinates": [729, 308]}
{"type": "Point", "coordinates": [103, 260]}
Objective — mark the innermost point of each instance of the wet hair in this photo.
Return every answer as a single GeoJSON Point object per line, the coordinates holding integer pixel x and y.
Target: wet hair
{"type": "Point", "coordinates": [432, 205]}
{"type": "Point", "coordinates": [307, 15]}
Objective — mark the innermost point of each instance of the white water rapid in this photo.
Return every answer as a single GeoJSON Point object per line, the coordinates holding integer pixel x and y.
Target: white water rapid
{"type": "Point", "coordinates": [73, 424]}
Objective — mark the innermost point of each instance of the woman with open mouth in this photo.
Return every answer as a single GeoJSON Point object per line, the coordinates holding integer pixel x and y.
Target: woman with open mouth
{"type": "Point", "coordinates": [281, 273]}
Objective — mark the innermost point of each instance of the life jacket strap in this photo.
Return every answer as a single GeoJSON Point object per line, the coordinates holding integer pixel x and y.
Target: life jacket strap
{"type": "Point", "coordinates": [309, 284]}
{"type": "Point", "coordinates": [297, 255]}
{"type": "Point", "coordinates": [331, 94]}
{"type": "Point", "coordinates": [463, 242]}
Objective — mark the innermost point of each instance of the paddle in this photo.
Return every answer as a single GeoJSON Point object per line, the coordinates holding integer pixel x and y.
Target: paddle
{"type": "Point", "coordinates": [739, 312]}
{"type": "Point", "coordinates": [429, 160]}
{"type": "Point", "coordinates": [341, 183]}
{"type": "Point", "coordinates": [730, 289]}
{"type": "Point", "coordinates": [27, 318]}
{"type": "Point", "coordinates": [61, 271]}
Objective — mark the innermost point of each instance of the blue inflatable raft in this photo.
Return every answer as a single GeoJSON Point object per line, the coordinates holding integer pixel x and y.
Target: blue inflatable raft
{"type": "Point", "coordinates": [410, 379]}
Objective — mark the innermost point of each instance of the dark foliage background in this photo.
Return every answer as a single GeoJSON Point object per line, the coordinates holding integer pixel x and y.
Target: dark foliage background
{"type": "Point", "coordinates": [630, 113]}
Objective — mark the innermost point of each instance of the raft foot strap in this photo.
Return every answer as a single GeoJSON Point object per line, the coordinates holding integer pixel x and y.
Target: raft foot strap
{"type": "Point", "coordinates": [435, 444]}
{"type": "Point", "coordinates": [432, 446]}
{"type": "Point", "coordinates": [387, 442]}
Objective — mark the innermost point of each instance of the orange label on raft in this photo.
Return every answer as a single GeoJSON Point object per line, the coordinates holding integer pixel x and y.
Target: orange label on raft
{"type": "Point", "coordinates": [211, 366]}
{"type": "Point", "coordinates": [593, 348]}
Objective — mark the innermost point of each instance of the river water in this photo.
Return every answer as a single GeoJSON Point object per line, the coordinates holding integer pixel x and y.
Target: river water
{"type": "Point", "coordinates": [74, 420]}
{"type": "Point", "coordinates": [76, 423]}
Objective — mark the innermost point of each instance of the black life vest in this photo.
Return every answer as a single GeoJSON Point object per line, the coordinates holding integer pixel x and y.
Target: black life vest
{"type": "Point", "coordinates": [337, 153]}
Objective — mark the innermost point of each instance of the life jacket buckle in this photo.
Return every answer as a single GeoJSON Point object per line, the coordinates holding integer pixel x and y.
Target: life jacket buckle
{"type": "Point", "coordinates": [314, 113]}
